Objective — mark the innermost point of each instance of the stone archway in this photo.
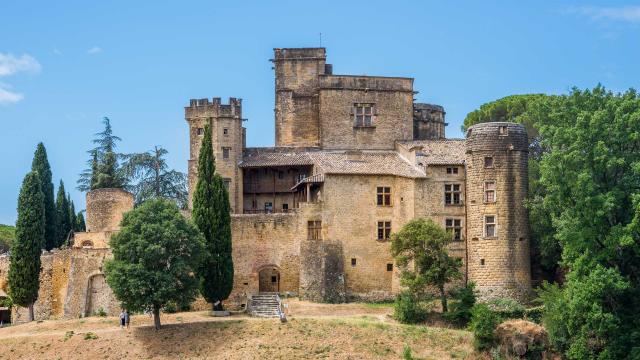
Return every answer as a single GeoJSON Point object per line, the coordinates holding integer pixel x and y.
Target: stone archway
{"type": "Point", "coordinates": [98, 295]}
{"type": "Point", "coordinates": [269, 279]}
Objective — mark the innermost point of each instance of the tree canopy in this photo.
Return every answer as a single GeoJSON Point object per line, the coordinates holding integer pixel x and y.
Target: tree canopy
{"type": "Point", "coordinates": [7, 236]}
{"type": "Point", "coordinates": [64, 225]}
{"type": "Point", "coordinates": [40, 164]}
{"type": "Point", "coordinates": [104, 167]}
{"type": "Point", "coordinates": [155, 258]}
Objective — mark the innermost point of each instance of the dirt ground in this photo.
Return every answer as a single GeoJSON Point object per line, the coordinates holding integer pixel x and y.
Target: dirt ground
{"type": "Point", "coordinates": [314, 331]}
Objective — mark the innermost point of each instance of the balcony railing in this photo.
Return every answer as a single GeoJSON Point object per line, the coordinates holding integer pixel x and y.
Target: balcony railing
{"type": "Point", "coordinates": [268, 211]}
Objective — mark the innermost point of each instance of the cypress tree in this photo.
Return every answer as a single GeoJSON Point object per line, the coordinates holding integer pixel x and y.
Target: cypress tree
{"type": "Point", "coordinates": [24, 266]}
{"type": "Point", "coordinates": [211, 214]}
{"type": "Point", "coordinates": [62, 214]}
{"type": "Point", "coordinates": [80, 222]}
{"type": "Point", "coordinates": [41, 165]}
{"type": "Point", "coordinates": [73, 221]}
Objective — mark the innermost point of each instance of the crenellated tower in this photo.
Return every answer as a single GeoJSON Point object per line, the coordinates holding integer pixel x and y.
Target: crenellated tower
{"type": "Point", "coordinates": [498, 256]}
{"type": "Point", "coordinates": [228, 137]}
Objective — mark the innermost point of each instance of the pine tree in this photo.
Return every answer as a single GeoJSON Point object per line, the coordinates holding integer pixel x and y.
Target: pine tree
{"type": "Point", "coordinates": [24, 267]}
{"type": "Point", "coordinates": [41, 165]}
{"type": "Point", "coordinates": [80, 222]}
{"type": "Point", "coordinates": [105, 170]}
{"type": "Point", "coordinates": [62, 214]}
{"type": "Point", "coordinates": [73, 221]}
{"type": "Point", "coordinates": [211, 214]}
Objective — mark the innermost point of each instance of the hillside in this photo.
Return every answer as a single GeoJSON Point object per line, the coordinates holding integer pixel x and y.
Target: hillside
{"type": "Point", "coordinates": [351, 332]}
{"type": "Point", "coordinates": [7, 234]}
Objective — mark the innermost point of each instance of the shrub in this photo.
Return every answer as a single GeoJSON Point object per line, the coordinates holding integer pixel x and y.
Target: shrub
{"type": "Point", "coordinates": [90, 336]}
{"type": "Point", "coordinates": [408, 309]}
{"type": "Point", "coordinates": [534, 314]}
{"type": "Point", "coordinates": [483, 324]}
{"type": "Point", "coordinates": [100, 312]}
{"type": "Point", "coordinates": [170, 308]}
{"type": "Point", "coordinates": [406, 353]}
{"type": "Point", "coordinates": [507, 308]}
{"type": "Point", "coordinates": [464, 299]}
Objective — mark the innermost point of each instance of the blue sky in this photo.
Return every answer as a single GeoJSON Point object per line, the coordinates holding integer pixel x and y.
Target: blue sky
{"type": "Point", "coordinates": [66, 64]}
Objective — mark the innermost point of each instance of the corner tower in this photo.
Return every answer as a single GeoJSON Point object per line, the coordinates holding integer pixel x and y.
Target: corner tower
{"type": "Point", "coordinates": [498, 257]}
{"type": "Point", "coordinates": [228, 137]}
{"type": "Point", "coordinates": [428, 122]}
{"type": "Point", "coordinates": [296, 98]}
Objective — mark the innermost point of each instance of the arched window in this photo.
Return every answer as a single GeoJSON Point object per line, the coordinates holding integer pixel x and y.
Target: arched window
{"type": "Point", "coordinates": [87, 244]}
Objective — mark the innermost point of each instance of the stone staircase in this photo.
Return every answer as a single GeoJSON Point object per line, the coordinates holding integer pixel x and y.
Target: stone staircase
{"type": "Point", "coordinates": [266, 305]}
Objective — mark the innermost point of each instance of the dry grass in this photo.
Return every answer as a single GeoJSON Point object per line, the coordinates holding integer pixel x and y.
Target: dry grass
{"type": "Point", "coordinates": [314, 331]}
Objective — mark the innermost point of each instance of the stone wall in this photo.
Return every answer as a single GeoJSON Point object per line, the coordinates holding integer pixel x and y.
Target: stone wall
{"type": "Point", "coordinates": [105, 208]}
{"type": "Point", "coordinates": [428, 122]}
{"type": "Point", "coordinates": [499, 265]}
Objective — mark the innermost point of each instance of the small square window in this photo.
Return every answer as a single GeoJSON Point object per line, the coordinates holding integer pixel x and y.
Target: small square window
{"type": "Point", "coordinates": [199, 131]}
{"type": "Point", "coordinates": [225, 152]}
{"type": "Point", "coordinates": [274, 279]}
{"type": "Point", "coordinates": [384, 230]}
{"type": "Point", "coordinates": [363, 115]}
{"type": "Point", "coordinates": [268, 207]}
{"type": "Point", "coordinates": [225, 131]}
{"type": "Point", "coordinates": [482, 262]}
{"type": "Point", "coordinates": [285, 207]}
{"type": "Point", "coordinates": [452, 170]}
{"type": "Point", "coordinates": [389, 267]}
{"type": "Point", "coordinates": [502, 131]}
{"type": "Point", "coordinates": [353, 261]}
{"type": "Point", "coordinates": [488, 162]}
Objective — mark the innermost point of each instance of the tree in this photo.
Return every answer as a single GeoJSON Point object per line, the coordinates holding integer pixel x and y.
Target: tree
{"type": "Point", "coordinates": [104, 169]}
{"type": "Point", "coordinates": [62, 215]}
{"type": "Point", "coordinates": [80, 225]}
{"type": "Point", "coordinates": [24, 266]}
{"type": "Point", "coordinates": [150, 178]}
{"type": "Point", "coordinates": [73, 220]}
{"type": "Point", "coordinates": [423, 244]}
{"type": "Point", "coordinates": [41, 165]}
{"type": "Point", "coordinates": [211, 214]}
{"type": "Point", "coordinates": [155, 257]}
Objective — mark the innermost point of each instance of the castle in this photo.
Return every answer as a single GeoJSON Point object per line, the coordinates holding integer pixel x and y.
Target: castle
{"type": "Point", "coordinates": [355, 158]}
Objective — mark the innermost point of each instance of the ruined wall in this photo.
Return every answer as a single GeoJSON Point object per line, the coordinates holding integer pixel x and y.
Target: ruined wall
{"type": "Point", "coordinates": [499, 265]}
{"type": "Point", "coordinates": [105, 208]}
{"type": "Point", "coordinates": [393, 107]}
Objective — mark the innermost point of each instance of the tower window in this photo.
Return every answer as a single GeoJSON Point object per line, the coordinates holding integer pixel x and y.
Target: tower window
{"type": "Point", "coordinates": [353, 261]}
{"type": "Point", "coordinates": [454, 226]}
{"type": "Point", "coordinates": [490, 226]}
{"type": "Point", "coordinates": [482, 262]}
{"type": "Point", "coordinates": [490, 191]}
{"type": "Point", "coordinates": [363, 115]}
{"type": "Point", "coordinates": [452, 170]}
{"type": "Point", "coordinates": [384, 230]}
{"type": "Point", "coordinates": [383, 197]}
{"type": "Point", "coordinates": [502, 130]}
{"type": "Point", "coordinates": [488, 162]}
{"type": "Point", "coordinates": [199, 131]}
{"type": "Point", "coordinates": [225, 131]}
{"type": "Point", "coordinates": [268, 207]}
{"type": "Point", "coordinates": [389, 267]}
{"type": "Point", "coordinates": [452, 194]}
{"type": "Point", "coordinates": [314, 230]}
{"type": "Point", "coordinates": [227, 183]}
{"type": "Point", "coordinates": [225, 152]}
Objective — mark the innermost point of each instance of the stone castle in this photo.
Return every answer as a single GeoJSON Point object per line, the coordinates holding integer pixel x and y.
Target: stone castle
{"type": "Point", "coordinates": [355, 158]}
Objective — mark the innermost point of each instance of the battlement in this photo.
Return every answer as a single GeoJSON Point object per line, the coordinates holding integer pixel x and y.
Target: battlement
{"type": "Point", "coordinates": [299, 54]}
{"type": "Point", "coordinates": [497, 136]}
{"type": "Point", "coordinates": [366, 83]}
{"type": "Point", "coordinates": [198, 106]}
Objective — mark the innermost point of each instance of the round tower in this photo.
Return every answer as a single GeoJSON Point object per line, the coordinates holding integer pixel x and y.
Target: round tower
{"type": "Point", "coordinates": [498, 258]}
{"type": "Point", "coordinates": [105, 208]}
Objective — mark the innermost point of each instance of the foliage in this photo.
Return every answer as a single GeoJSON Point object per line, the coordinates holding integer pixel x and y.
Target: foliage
{"type": "Point", "coordinates": [211, 214]}
{"type": "Point", "coordinates": [423, 243]}
{"type": "Point", "coordinates": [506, 308]}
{"type": "Point", "coordinates": [73, 220]}
{"type": "Point", "coordinates": [100, 312]}
{"type": "Point", "coordinates": [7, 236]}
{"type": "Point", "coordinates": [24, 267]}
{"type": "Point", "coordinates": [90, 336]}
{"type": "Point", "coordinates": [80, 224]}
{"type": "Point", "coordinates": [104, 169]}
{"type": "Point", "coordinates": [6, 302]}
{"type": "Point", "coordinates": [149, 177]}
{"type": "Point", "coordinates": [406, 353]}
{"type": "Point", "coordinates": [408, 309]}
{"type": "Point", "coordinates": [40, 164]}
{"type": "Point", "coordinates": [534, 314]}
{"type": "Point", "coordinates": [483, 324]}
{"type": "Point", "coordinates": [464, 300]}
{"type": "Point", "coordinates": [155, 256]}
{"type": "Point", "coordinates": [63, 226]}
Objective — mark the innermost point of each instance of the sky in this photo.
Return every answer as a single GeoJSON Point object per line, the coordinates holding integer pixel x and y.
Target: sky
{"type": "Point", "coordinates": [66, 64]}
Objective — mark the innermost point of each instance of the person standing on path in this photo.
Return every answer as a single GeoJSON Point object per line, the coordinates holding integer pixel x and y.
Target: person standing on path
{"type": "Point", "coordinates": [122, 319]}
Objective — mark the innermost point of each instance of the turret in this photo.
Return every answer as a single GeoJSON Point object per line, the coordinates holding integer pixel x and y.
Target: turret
{"type": "Point", "coordinates": [228, 137]}
{"type": "Point", "coordinates": [498, 256]}
{"type": "Point", "coordinates": [428, 122]}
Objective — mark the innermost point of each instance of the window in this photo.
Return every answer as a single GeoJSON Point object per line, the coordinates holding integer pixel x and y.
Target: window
{"type": "Point", "coordinates": [502, 131]}
{"type": "Point", "coordinates": [454, 226]}
{"type": "Point", "coordinates": [452, 194]}
{"type": "Point", "coordinates": [452, 170]}
{"type": "Point", "coordinates": [314, 230]}
{"type": "Point", "coordinates": [353, 261]}
{"type": "Point", "coordinates": [389, 267]}
{"type": "Point", "coordinates": [274, 279]}
{"type": "Point", "coordinates": [225, 131]}
{"type": "Point", "coordinates": [199, 131]}
{"type": "Point", "coordinates": [488, 162]}
{"type": "Point", "coordinates": [490, 226]}
{"type": "Point", "coordinates": [226, 182]}
{"type": "Point", "coordinates": [225, 152]}
{"type": "Point", "coordinates": [490, 191]}
{"type": "Point", "coordinates": [384, 196]}
{"type": "Point", "coordinates": [363, 115]}
{"type": "Point", "coordinates": [482, 262]}
{"type": "Point", "coordinates": [384, 230]}
{"type": "Point", "coordinates": [285, 207]}
{"type": "Point", "coordinates": [268, 207]}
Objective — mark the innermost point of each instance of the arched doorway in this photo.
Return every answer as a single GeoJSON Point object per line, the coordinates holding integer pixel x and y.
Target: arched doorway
{"type": "Point", "coordinates": [98, 295]}
{"type": "Point", "coordinates": [269, 279]}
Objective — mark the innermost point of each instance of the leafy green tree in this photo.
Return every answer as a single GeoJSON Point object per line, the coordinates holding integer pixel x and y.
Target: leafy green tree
{"type": "Point", "coordinates": [41, 165]}
{"type": "Point", "coordinates": [423, 244]}
{"type": "Point", "coordinates": [591, 176]}
{"type": "Point", "coordinates": [7, 237]}
{"type": "Point", "coordinates": [80, 225]}
{"type": "Point", "coordinates": [62, 215]}
{"type": "Point", "coordinates": [155, 257]}
{"type": "Point", "coordinates": [211, 214]}
{"type": "Point", "coordinates": [104, 168]}
{"type": "Point", "coordinates": [150, 177]}
{"type": "Point", "coordinates": [24, 266]}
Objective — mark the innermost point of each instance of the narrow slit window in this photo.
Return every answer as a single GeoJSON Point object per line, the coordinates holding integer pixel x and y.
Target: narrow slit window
{"type": "Point", "coordinates": [353, 261]}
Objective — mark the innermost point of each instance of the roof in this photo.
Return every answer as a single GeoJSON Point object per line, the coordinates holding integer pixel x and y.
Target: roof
{"type": "Point", "coordinates": [265, 157]}
{"type": "Point", "coordinates": [439, 152]}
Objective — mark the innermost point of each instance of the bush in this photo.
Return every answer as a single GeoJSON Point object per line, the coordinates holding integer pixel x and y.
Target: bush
{"type": "Point", "coordinates": [483, 323]}
{"type": "Point", "coordinates": [100, 312]}
{"type": "Point", "coordinates": [463, 301]}
{"type": "Point", "coordinates": [170, 308]}
{"type": "Point", "coordinates": [90, 336]}
{"type": "Point", "coordinates": [406, 353]}
{"type": "Point", "coordinates": [507, 308]}
{"type": "Point", "coordinates": [408, 309]}
{"type": "Point", "coordinates": [534, 314]}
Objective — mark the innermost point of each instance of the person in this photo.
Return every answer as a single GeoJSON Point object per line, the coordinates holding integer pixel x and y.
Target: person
{"type": "Point", "coordinates": [122, 319]}
{"type": "Point", "coordinates": [127, 318]}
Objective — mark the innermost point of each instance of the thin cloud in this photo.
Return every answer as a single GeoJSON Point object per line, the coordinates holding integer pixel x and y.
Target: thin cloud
{"type": "Point", "coordinates": [8, 97]}
{"type": "Point", "coordinates": [11, 64]}
{"type": "Point", "coordinates": [94, 50]}
{"type": "Point", "coordinates": [629, 14]}
{"type": "Point", "coordinates": [57, 51]}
